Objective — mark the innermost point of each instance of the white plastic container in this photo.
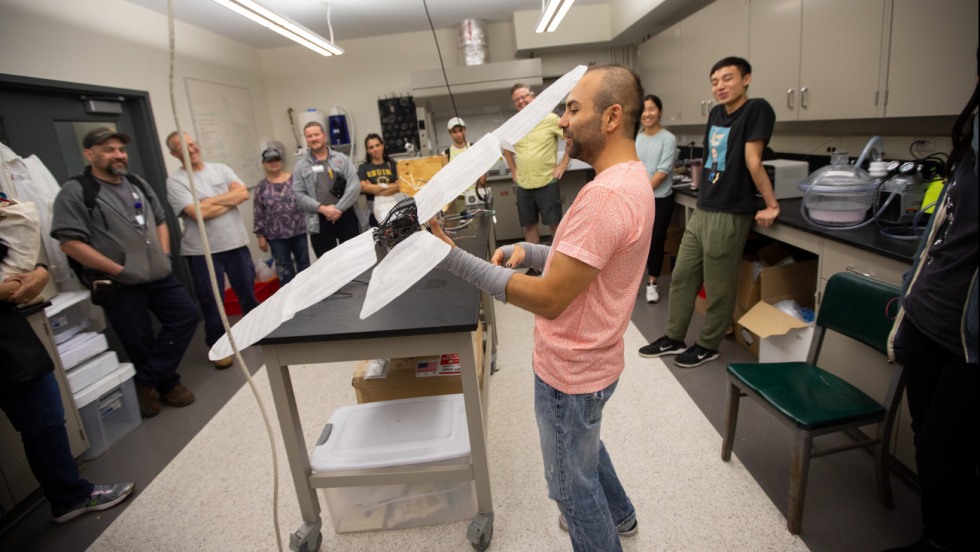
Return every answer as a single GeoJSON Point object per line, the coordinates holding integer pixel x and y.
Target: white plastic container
{"type": "Point", "coordinates": [109, 410]}
{"type": "Point", "coordinates": [422, 431]}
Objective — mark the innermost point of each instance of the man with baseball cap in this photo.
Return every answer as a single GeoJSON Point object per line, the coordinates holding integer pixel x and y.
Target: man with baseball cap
{"type": "Point", "coordinates": [457, 131]}
{"type": "Point", "coordinates": [112, 224]}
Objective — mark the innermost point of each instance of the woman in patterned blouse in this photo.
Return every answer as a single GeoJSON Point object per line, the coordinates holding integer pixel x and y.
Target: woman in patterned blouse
{"type": "Point", "coordinates": [278, 221]}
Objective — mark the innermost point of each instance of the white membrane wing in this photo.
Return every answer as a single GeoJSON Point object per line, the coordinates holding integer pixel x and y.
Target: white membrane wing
{"type": "Point", "coordinates": [526, 119]}
{"type": "Point", "coordinates": [328, 274]}
{"type": "Point", "coordinates": [458, 175]}
{"type": "Point", "coordinates": [405, 264]}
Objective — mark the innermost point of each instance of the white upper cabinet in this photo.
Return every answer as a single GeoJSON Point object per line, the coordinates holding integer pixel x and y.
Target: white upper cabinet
{"type": "Point", "coordinates": [824, 59]}
{"type": "Point", "coordinates": [932, 58]}
{"type": "Point", "coordinates": [719, 30]}
{"type": "Point", "coordinates": [658, 64]}
{"type": "Point", "coordinates": [818, 59]}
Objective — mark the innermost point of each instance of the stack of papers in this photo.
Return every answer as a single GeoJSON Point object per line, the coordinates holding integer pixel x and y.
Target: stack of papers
{"type": "Point", "coordinates": [80, 347]}
{"type": "Point", "coordinates": [92, 371]}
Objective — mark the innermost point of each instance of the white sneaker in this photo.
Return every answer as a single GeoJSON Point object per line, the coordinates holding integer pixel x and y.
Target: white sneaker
{"type": "Point", "coordinates": [653, 295]}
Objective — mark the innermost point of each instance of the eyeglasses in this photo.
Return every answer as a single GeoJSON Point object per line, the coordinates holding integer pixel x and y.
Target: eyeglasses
{"type": "Point", "coordinates": [525, 97]}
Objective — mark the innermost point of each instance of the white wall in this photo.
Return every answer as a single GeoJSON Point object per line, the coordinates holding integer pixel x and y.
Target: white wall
{"type": "Point", "coordinates": [115, 43]}
{"type": "Point", "coordinates": [118, 44]}
{"type": "Point", "coordinates": [372, 68]}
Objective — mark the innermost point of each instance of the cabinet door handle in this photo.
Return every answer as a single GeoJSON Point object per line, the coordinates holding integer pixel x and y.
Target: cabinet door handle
{"type": "Point", "coordinates": [702, 108]}
{"type": "Point", "coordinates": [804, 94]}
{"type": "Point", "coordinates": [791, 98]}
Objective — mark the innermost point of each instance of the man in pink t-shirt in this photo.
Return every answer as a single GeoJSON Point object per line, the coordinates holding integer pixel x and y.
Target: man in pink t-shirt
{"type": "Point", "coordinates": [583, 303]}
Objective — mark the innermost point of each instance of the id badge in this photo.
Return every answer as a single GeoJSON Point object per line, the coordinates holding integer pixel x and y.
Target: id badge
{"type": "Point", "coordinates": [140, 220]}
{"type": "Point", "coordinates": [318, 168]}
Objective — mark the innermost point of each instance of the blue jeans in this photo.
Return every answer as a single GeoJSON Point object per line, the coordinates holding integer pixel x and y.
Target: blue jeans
{"type": "Point", "coordinates": [36, 412]}
{"type": "Point", "coordinates": [285, 251]}
{"type": "Point", "coordinates": [579, 472]}
{"type": "Point", "coordinates": [155, 358]}
{"type": "Point", "coordinates": [237, 265]}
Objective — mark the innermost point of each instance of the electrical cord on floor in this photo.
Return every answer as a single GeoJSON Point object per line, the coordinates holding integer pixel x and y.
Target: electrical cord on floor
{"type": "Point", "coordinates": [214, 282]}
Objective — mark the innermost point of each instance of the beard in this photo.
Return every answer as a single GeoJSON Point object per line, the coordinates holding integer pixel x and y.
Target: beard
{"type": "Point", "coordinates": [121, 169]}
{"type": "Point", "coordinates": [587, 143]}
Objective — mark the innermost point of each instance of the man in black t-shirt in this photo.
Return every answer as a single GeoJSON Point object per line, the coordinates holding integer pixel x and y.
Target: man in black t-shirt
{"type": "Point", "coordinates": [738, 131]}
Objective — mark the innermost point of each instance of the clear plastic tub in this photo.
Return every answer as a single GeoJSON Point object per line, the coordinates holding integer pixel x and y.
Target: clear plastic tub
{"type": "Point", "coordinates": [422, 431]}
{"type": "Point", "coordinates": [838, 195]}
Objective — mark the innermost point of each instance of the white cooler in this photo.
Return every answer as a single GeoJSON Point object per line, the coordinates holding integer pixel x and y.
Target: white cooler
{"type": "Point", "coordinates": [418, 431]}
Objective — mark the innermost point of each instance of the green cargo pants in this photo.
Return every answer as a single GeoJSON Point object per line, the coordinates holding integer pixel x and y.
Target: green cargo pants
{"type": "Point", "coordinates": [709, 254]}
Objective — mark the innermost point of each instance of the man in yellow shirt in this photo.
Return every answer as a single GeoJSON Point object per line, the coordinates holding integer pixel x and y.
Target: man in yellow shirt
{"type": "Point", "coordinates": [534, 166]}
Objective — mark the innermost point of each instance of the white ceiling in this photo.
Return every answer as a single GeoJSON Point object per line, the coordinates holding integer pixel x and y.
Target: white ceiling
{"type": "Point", "coordinates": [349, 18]}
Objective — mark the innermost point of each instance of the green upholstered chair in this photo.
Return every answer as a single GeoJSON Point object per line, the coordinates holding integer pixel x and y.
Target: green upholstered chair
{"type": "Point", "coordinates": [814, 402]}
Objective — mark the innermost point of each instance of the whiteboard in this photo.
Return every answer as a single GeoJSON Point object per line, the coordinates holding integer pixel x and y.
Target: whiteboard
{"type": "Point", "coordinates": [224, 126]}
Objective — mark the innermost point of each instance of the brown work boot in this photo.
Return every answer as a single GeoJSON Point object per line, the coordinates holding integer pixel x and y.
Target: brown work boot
{"type": "Point", "coordinates": [149, 401]}
{"type": "Point", "coordinates": [223, 363]}
{"type": "Point", "coordinates": [178, 396]}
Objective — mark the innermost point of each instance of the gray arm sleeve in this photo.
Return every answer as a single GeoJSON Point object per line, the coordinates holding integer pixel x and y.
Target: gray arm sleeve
{"type": "Point", "coordinates": [485, 276]}
{"type": "Point", "coordinates": [535, 254]}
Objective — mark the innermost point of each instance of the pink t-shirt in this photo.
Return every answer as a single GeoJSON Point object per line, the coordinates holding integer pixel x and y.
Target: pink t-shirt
{"type": "Point", "coordinates": [607, 227]}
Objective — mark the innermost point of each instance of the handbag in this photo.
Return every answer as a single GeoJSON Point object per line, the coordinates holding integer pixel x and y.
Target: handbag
{"type": "Point", "coordinates": [339, 186]}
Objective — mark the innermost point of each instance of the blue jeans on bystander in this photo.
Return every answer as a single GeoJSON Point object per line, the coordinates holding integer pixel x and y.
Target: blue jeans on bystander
{"type": "Point", "coordinates": [36, 412]}
{"type": "Point", "coordinates": [237, 265]}
{"type": "Point", "coordinates": [579, 472]}
{"type": "Point", "coordinates": [292, 256]}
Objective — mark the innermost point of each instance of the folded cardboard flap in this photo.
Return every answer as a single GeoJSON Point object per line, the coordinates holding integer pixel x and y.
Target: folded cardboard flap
{"type": "Point", "coordinates": [765, 320]}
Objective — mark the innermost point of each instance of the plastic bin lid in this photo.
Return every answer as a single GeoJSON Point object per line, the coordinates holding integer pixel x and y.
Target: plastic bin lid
{"type": "Point", "coordinates": [394, 433]}
{"type": "Point", "coordinates": [104, 385]}
{"type": "Point", "coordinates": [839, 179]}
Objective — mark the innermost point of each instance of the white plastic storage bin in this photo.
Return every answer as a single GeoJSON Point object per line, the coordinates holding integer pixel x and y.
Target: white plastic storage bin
{"type": "Point", "coordinates": [109, 410]}
{"type": "Point", "coordinates": [422, 431]}
{"type": "Point", "coordinates": [69, 313]}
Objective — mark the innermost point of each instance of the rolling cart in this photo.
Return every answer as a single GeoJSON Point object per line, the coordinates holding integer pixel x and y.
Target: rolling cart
{"type": "Point", "coordinates": [437, 315]}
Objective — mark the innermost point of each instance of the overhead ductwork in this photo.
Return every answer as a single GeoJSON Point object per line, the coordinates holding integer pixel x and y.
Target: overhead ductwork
{"type": "Point", "coordinates": [488, 77]}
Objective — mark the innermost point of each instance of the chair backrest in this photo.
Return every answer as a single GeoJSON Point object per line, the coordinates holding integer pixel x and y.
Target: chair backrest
{"type": "Point", "coordinates": [859, 307]}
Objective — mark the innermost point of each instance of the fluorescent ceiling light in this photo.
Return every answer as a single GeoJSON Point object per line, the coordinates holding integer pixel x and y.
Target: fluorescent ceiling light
{"type": "Point", "coordinates": [283, 26]}
{"type": "Point", "coordinates": [551, 15]}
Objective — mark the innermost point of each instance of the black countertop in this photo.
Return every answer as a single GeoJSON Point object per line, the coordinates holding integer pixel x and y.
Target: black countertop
{"type": "Point", "coordinates": [438, 303]}
{"type": "Point", "coordinates": [868, 238]}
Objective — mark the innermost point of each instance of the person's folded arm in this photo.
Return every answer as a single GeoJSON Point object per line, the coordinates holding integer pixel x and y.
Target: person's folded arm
{"type": "Point", "coordinates": [550, 294]}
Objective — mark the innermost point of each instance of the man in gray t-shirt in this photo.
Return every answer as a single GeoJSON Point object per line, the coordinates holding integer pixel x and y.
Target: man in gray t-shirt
{"type": "Point", "coordinates": [220, 192]}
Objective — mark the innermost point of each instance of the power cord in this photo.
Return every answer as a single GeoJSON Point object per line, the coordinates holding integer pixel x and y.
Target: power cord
{"type": "Point", "coordinates": [214, 282]}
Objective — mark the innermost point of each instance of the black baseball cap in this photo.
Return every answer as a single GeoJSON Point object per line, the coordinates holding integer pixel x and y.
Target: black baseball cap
{"type": "Point", "coordinates": [101, 134]}
{"type": "Point", "coordinates": [271, 154]}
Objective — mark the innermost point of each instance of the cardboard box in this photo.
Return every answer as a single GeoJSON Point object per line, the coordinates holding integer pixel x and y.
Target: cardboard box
{"type": "Point", "coordinates": [748, 291]}
{"type": "Point", "coordinates": [416, 376]}
{"type": "Point", "coordinates": [769, 333]}
{"type": "Point", "coordinates": [414, 173]}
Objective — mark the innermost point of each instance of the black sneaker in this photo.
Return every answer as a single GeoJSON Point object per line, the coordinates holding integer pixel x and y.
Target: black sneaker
{"type": "Point", "coordinates": [696, 355]}
{"type": "Point", "coordinates": [103, 497]}
{"type": "Point", "coordinates": [661, 347]}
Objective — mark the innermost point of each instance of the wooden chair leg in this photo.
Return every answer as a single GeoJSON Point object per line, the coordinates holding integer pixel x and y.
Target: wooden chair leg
{"type": "Point", "coordinates": [731, 418]}
{"type": "Point", "coordinates": [799, 470]}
